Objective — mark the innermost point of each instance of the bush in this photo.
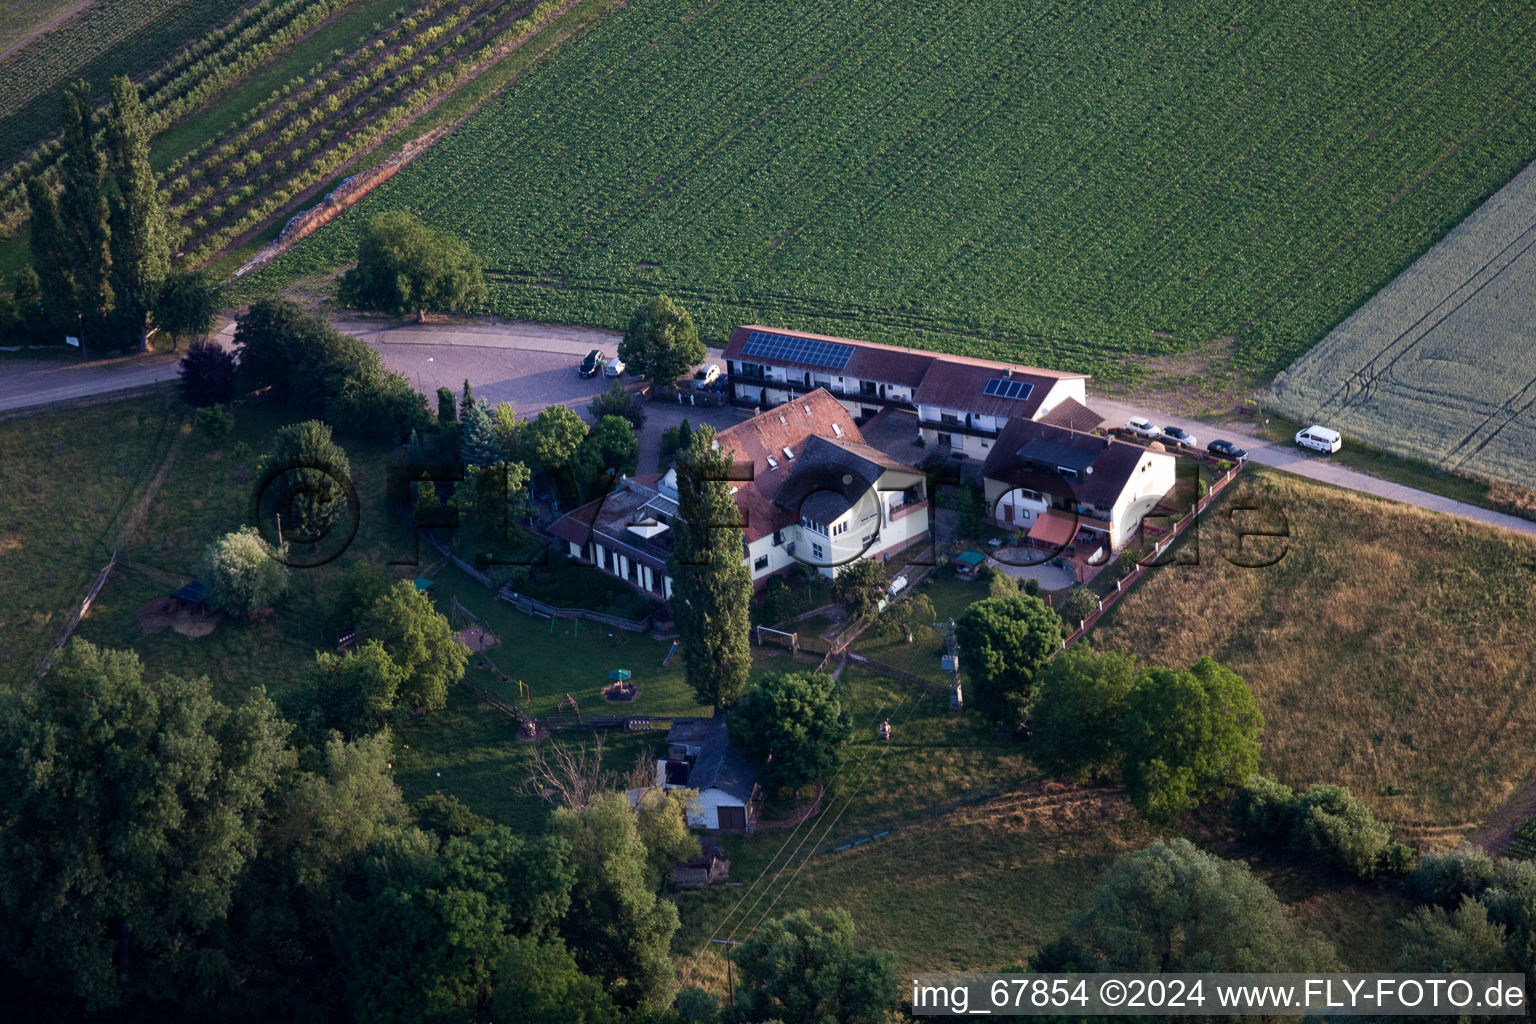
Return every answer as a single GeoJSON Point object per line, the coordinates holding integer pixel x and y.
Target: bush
{"type": "Point", "coordinates": [1326, 823]}
{"type": "Point", "coordinates": [1264, 808]}
{"type": "Point", "coordinates": [242, 573]}
{"type": "Point", "coordinates": [215, 421]}
{"type": "Point", "coordinates": [207, 375]}
{"type": "Point", "coordinates": [1079, 603]}
{"type": "Point", "coordinates": [1332, 824]}
{"type": "Point", "coordinates": [1444, 877]}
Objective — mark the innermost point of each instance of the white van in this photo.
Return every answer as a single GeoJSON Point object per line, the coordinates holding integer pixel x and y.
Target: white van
{"type": "Point", "coordinates": [1319, 439]}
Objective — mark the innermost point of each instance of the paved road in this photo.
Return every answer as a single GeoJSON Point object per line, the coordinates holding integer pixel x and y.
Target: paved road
{"type": "Point", "coordinates": [1293, 459]}
{"type": "Point", "coordinates": [25, 383]}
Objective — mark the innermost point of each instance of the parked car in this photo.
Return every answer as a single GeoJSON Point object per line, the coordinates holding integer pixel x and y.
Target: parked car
{"type": "Point", "coordinates": [615, 368]}
{"type": "Point", "coordinates": [706, 375]}
{"type": "Point", "coordinates": [1320, 439]}
{"type": "Point", "coordinates": [1142, 427]}
{"type": "Point", "coordinates": [1227, 450]}
{"type": "Point", "coordinates": [593, 363]}
{"type": "Point", "coordinates": [1178, 435]}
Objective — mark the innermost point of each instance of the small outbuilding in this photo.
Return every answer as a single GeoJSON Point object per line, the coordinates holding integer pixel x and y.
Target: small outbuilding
{"type": "Point", "coordinates": [700, 756]}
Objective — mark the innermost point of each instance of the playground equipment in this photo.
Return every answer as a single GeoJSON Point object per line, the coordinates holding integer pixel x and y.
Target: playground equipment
{"type": "Point", "coordinates": [776, 636]}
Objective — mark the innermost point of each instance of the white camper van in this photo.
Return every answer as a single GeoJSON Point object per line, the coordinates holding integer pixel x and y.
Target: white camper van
{"type": "Point", "coordinates": [1319, 439]}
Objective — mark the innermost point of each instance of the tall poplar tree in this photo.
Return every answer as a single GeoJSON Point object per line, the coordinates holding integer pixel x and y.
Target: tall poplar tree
{"type": "Point", "coordinates": [711, 587]}
{"type": "Point", "coordinates": [140, 229]}
{"type": "Point", "coordinates": [84, 220]}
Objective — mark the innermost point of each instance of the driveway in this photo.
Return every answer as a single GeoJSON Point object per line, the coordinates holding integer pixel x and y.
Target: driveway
{"type": "Point", "coordinates": [1292, 459]}
{"type": "Point", "coordinates": [527, 365]}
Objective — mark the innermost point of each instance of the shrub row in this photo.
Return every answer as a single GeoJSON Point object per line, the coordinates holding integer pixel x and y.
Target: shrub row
{"type": "Point", "coordinates": [1325, 822]}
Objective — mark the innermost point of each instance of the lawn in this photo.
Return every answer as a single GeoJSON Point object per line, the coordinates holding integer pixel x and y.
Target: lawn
{"type": "Point", "coordinates": [1080, 186]}
{"type": "Point", "coordinates": [208, 492]}
{"type": "Point", "coordinates": [68, 482]}
{"type": "Point", "coordinates": [1390, 649]}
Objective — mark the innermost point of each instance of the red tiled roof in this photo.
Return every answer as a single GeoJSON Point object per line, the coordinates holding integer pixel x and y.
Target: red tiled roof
{"type": "Point", "coordinates": [1054, 528]}
{"type": "Point", "coordinates": [950, 385]}
{"type": "Point", "coordinates": [1070, 414]}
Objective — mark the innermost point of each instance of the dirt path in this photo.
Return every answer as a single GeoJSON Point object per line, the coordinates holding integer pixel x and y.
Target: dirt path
{"type": "Point", "coordinates": [58, 18]}
{"type": "Point", "coordinates": [1498, 831]}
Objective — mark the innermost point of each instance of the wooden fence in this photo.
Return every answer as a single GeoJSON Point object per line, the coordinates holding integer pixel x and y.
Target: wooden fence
{"type": "Point", "coordinates": [1125, 583]}
{"type": "Point", "coordinates": [533, 606]}
{"type": "Point", "coordinates": [74, 620]}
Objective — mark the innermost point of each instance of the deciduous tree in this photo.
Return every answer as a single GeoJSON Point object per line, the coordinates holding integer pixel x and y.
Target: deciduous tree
{"type": "Point", "coordinates": [140, 228]}
{"type": "Point", "coordinates": [794, 725]}
{"type": "Point", "coordinates": [1172, 907]}
{"type": "Point", "coordinates": [1189, 735]}
{"type": "Point", "coordinates": [207, 375]}
{"type": "Point", "coordinates": [405, 267]}
{"type": "Point", "coordinates": [804, 968]}
{"type": "Point", "coordinates": [661, 342]}
{"type": "Point", "coordinates": [243, 573]}
{"type": "Point", "coordinates": [186, 305]}
{"type": "Point", "coordinates": [421, 642]}
{"type": "Point", "coordinates": [618, 928]}
{"type": "Point", "coordinates": [1079, 707]}
{"type": "Point", "coordinates": [1003, 642]}
{"type": "Point", "coordinates": [131, 809]}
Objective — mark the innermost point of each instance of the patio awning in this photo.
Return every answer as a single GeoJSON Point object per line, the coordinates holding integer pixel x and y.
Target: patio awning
{"type": "Point", "coordinates": [1054, 529]}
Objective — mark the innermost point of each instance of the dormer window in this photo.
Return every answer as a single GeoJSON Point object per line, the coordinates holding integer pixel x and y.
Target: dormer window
{"type": "Point", "coordinates": [787, 453]}
{"type": "Point", "coordinates": [837, 428]}
{"type": "Point", "coordinates": [782, 420]}
{"type": "Point", "coordinates": [773, 463]}
{"type": "Point", "coordinates": [807, 409]}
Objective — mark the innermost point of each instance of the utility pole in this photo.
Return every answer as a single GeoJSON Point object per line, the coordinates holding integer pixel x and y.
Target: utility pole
{"type": "Point", "coordinates": [730, 979]}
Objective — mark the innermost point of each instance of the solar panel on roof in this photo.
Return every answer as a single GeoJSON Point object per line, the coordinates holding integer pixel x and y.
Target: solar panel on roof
{"type": "Point", "coordinates": [1005, 388]}
{"type": "Point", "coordinates": [792, 349]}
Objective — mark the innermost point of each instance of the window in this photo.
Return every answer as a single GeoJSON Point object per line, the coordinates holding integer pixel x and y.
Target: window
{"type": "Point", "coordinates": [760, 564]}
{"type": "Point", "coordinates": [816, 551]}
{"type": "Point", "coordinates": [946, 439]}
{"type": "Point", "coordinates": [866, 387]}
{"type": "Point", "coordinates": [778, 537]}
{"type": "Point", "coordinates": [949, 419]}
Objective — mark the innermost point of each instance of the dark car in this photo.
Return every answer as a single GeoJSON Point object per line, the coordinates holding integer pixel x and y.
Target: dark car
{"type": "Point", "coordinates": [593, 363]}
{"type": "Point", "coordinates": [1227, 450]}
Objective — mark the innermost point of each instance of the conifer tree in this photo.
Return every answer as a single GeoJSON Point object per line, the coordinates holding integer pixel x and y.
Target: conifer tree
{"type": "Point", "coordinates": [711, 587]}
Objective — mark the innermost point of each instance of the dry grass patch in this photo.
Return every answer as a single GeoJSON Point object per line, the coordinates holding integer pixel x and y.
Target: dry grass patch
{"type": "Point", "coordinates": [1390, 648]}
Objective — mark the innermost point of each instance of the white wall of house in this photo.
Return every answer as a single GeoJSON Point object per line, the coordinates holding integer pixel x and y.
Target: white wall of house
{"type": "Point", "coordinates": [1020, 507]}
{"type": "Point", "coordinates": [1074, 387]}
{"type": "Point", "coordinates": [1153, 477]}
{"type": "Point", "coordinates": [705, 813]}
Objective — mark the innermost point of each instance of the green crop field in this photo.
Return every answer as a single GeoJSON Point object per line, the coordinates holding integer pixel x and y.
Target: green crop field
{"type": "Point", "coordinates": [1069, 183]}
{"type": "Point", "coordinates": [1441, 365]}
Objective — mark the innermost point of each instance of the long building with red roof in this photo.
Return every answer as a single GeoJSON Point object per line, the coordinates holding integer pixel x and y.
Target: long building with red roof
{"type": "Point", "coordinates": [962, 403]}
